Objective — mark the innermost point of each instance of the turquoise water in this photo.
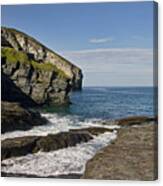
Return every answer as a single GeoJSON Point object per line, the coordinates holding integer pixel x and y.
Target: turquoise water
{"type": "Point", "coordinates": [110, 103]}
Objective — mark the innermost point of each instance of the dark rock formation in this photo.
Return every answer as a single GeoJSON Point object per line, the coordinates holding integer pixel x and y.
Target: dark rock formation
{"type": "Point", "coordinates": [93, 130]}
{"type": "Point", "coordinates": [11, 93]}
{"type": "Point", "coordinates": [40, 73]}
{"type": "Point", "coordinates": [132, 156]}
{"type": "Point", "coordinates": [135, 120]}
{"type": "Point", "coordinates": [17, 146]}
{"type": "Point", "coordinates": [31, 144]}
{"type": "Point", "coordinates": [40, 82]}
{"type": "Point", "coordinates": [15, 117]}
{"type": "Point", "coordinates": [15, 114]}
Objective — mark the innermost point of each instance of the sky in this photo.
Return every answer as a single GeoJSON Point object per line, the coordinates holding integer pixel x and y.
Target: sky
{"type": "Point", "coordinates": [111, 42]}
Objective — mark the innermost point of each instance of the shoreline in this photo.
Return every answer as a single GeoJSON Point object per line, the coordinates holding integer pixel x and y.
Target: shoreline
{"type": "Point", "coordinates": [132, 127]}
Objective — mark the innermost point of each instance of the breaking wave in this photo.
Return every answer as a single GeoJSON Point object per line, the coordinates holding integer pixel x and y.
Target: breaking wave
{"type": "Point", "coordinates": [58, 124]}
{"type": "Point", "coordinates": [66, 161]}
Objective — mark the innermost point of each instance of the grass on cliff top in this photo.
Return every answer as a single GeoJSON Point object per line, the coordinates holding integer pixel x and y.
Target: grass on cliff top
{"type": "Point", "coordinates": [13, 56]}
{"type": "Point", "coordinates": [59, 57]}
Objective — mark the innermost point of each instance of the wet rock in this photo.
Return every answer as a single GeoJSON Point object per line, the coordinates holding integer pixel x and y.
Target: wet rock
{"type": "Point", "coordinates": [93, 130]}
{"type": "Point", "coordinates": [61, 140]}
{"type": "Point", "coordinates": [17, 146]}
{"type": "Point", "coordinates": [31, 144]}
{"type": "Point", "coordinates": [135, 120]}
{"type": "Point", "coordinates": [15, 117]}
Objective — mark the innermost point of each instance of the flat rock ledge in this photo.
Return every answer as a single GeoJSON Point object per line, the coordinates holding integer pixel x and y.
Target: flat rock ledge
{"type": "Point", "coordinates": [93, 130]}
{"type": "Point", "coordinates": [135, 120]}
{"type": "Point", "coordinates": [132, 156]}
{"type": "Point", "coordinates": [31, 144]}
{"type": "Point", "coordinates": [20, 146]}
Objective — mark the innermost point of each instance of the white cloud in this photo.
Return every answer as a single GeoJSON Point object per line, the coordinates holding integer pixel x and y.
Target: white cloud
{"type": "Point", "coordinates": [114, 66]}
{"type": "Point", "coordinates": [101, 40]}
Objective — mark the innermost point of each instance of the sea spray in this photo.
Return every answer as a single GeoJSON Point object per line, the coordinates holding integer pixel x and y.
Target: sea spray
{"type": "Point", "coordinates": [66, 161]}
{"type": "Point", "coordinates": [58, 124]}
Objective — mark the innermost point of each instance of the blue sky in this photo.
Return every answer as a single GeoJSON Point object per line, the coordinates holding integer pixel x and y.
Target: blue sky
{"type": "Point", "coordinates": [83, 32]}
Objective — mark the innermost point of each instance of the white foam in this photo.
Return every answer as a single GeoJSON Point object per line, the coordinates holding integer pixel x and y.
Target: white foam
{"type": "Point", "coordinates": [61, 162]}
{"type": "Point", "coordinates": [57, 124]}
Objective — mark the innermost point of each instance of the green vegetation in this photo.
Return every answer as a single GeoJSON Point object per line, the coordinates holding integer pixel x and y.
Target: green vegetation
{"type": "Point", "coordinates": [18, 32]}
{"type": "Point", "coordinates": [13, 56]}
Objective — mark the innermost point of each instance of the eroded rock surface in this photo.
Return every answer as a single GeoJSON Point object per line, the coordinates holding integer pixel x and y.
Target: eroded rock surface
{"type": "Point", "coordinates": [132, 156]}
{"type": "Point", "coordinates": [31, 144]}
{"type": "Point", "coordinates": [11, 93]}
{"type": "Point", "coordinates": [15, 117]}
{"type": "Point", "coordinates": [93, 130]}
{"type": "Point", "coordinates": [40, 73]}
{"type": "Point", "coordinates": [135, 120]}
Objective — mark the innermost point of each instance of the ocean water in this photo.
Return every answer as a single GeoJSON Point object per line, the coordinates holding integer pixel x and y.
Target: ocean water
{"type": "Point", "coordinates": [110, 103]}
{"type": "Point", "coordinates": [89, 108]}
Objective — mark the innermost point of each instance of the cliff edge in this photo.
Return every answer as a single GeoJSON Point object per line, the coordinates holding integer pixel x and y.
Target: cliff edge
{"type": "Point", "coordinates": [40, 73]}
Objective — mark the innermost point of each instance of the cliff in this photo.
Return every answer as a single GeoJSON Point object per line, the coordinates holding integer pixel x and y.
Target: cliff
{"type": "Point", "coordinates": [40, 73]}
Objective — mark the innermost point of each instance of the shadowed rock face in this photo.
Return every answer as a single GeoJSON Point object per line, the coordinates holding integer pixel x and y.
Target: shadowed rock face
{"type": "Point", "coordinates": [15, 114]}
{"type": "Point", "coordinates": [40, 73]}
{"type": "Point", "coordinates": [15, 117]}
{"type": "Point", "coordinates": [11, 93]}
{"type": "Point", "coordinates": [42, 84]}
{"type": "Point", "coordinates": [31, 144]}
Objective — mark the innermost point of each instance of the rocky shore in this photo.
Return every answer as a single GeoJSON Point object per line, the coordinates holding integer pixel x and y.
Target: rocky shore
{"type": "Point", "coordinates": [32, 144]}
{"type": "Point", "coordinates": [33, 76]}
{"type": "Point", "coordinates": [132, 156]}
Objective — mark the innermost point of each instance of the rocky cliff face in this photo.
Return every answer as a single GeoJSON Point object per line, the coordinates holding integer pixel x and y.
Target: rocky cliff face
{"type": "Point", "coordinates": [40, 73]}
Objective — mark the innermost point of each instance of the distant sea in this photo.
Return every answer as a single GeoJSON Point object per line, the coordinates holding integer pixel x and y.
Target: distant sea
{"type": "Point", "coordinates": [110, 102]}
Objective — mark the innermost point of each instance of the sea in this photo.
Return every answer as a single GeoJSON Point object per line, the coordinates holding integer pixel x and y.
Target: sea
{"type": "Point", "coordinates": [110, 102]}
{"type": "Point", "coordinates": [90, 107]}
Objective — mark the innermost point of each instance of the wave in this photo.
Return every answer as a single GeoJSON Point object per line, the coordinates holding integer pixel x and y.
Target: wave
{"type": "Point", "coordinates": [58, 124]}
{"type": "Point", "coordinates": [66, 161]}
